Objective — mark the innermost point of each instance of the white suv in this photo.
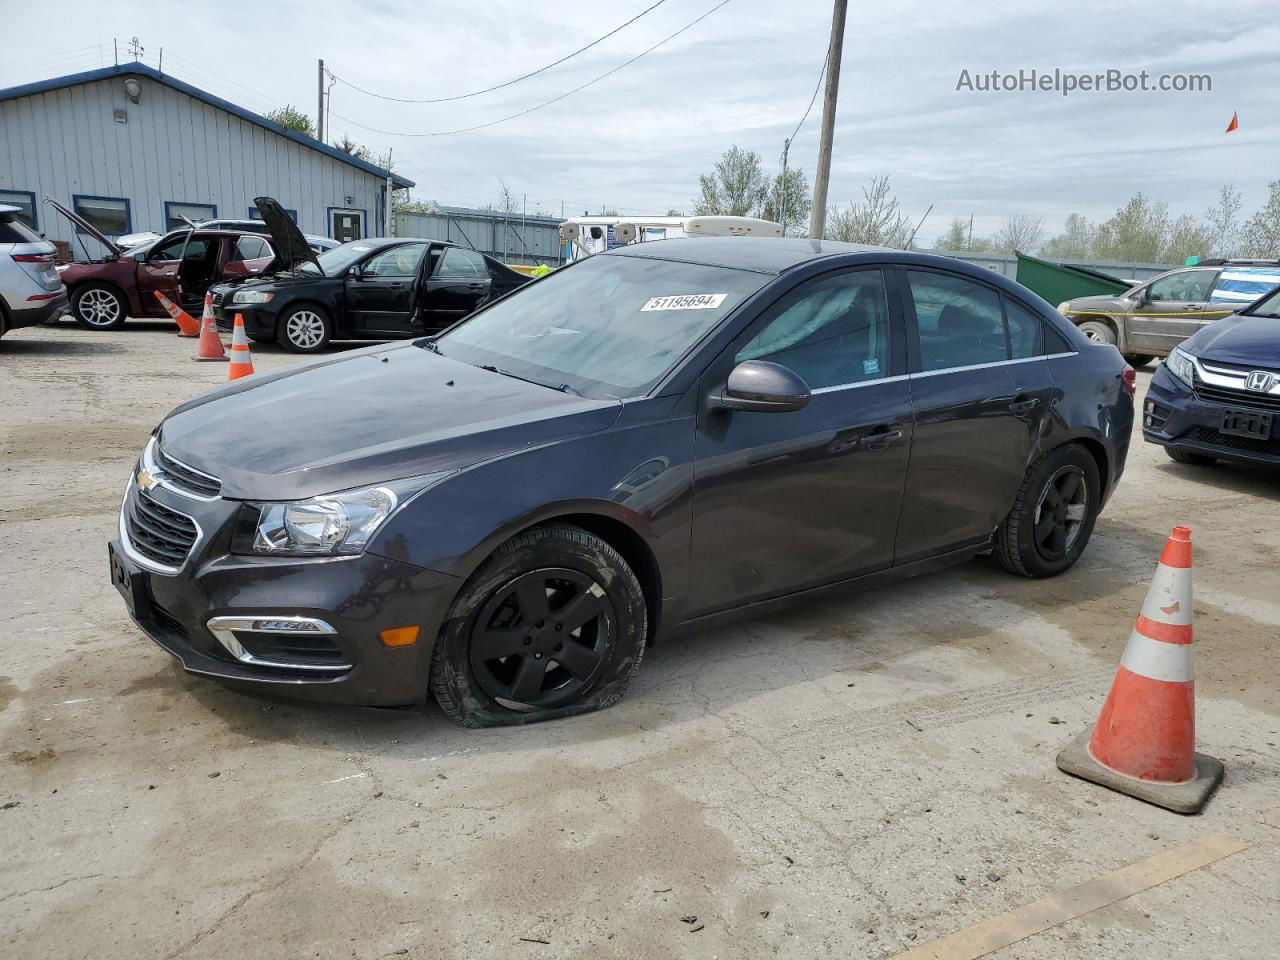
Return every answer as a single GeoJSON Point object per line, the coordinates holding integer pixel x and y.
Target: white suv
{"type": "Point", "coordinates": [31, 291]}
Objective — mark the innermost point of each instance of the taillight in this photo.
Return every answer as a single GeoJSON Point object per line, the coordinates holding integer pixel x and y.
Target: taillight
{"type": "Point", "coordinates": [33, 257]}
{"type": "Point", "coordinates": [1130, 378]}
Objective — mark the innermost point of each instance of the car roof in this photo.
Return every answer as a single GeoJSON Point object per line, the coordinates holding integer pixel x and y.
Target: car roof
{"type": "Point", "coordinates": [760, 254]}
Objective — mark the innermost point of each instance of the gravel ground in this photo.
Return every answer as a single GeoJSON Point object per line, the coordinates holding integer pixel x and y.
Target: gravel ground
{"type": "Point", "coordinates": [852, 778]}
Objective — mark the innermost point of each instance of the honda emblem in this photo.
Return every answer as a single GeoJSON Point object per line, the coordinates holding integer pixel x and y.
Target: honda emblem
{"type": "Point", "coordinates": [1259, 381]}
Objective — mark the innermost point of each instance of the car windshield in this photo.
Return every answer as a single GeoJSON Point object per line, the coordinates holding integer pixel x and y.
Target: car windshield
{"type": "Point", "coordinates": [1268, 306]}
{"type": "Point", "coordinates": [608, 327]}
{"type": "Point", "coordinates": [334, 261]}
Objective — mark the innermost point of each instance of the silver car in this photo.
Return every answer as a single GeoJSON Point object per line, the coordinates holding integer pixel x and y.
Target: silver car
{"type": "Point", "coordinates": [31, 291]}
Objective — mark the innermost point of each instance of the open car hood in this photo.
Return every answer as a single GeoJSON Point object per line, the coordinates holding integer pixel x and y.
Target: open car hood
{"type": "Point", "coordinates": [87, 227]}
{"type": "Point", "coordinates": [292, 249]}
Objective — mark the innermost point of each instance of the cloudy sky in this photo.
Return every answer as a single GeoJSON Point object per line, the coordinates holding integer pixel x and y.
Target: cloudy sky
{"type": "Point", "coordinates": [637, 140]}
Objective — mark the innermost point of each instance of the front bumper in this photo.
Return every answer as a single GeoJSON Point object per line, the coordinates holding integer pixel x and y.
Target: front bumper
{"type": "Point", "coordinates": [357, 597]}
{"type": "Point", "coordinates": [259, 318]}
{"type": "Point", "coordinates": [1173, 416]}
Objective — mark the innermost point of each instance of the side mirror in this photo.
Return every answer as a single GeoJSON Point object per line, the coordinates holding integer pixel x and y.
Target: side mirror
{"type": "Point", "coordinates": [355, 271]}
{"type": "Point", "coordinates": [762, 387]}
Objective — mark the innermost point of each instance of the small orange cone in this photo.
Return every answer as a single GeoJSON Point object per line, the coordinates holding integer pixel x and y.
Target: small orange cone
{"type": "Point", "coordinates": [241, 359]}
{"type": "Point", "coordinates": [187, 325]}
{"type": "Point", "coordinates": [210, 346]}
{"type": "Point", "coordinates": [1144, 741]}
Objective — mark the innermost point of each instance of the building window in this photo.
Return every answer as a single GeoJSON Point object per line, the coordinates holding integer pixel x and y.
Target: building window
{"type": "Point", "coordinates": [255, 215]}
{"type": "Point", "coordinates": [108, 214]}
{"type": "Point", "coordinates": [25, 200]}
{"type": "Point", "coordinates": [175, 210]}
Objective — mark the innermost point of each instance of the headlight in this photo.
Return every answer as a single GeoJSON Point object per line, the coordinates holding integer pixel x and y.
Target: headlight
{"type": "Point", "coordinates": [1181, 366]}
{"type": "Point", "coordinates": [334, 524]}
{"type": "Point", "coordinates": [1064, 306]}
{"type": "Point", "coordinates": [251, 296]}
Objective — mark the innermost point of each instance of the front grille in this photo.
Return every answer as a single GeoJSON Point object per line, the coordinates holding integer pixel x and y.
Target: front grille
{"type": "Point", "coordinates": [1237, 398]}
{"type": "Point", "coordinates": [162, 535]}
{"type": "Point", "coordinates": [1217, 438]}
{"type": "Point", "coordinates": [217, 297]}
{"type": "Point", "coordinates": [188, 479]}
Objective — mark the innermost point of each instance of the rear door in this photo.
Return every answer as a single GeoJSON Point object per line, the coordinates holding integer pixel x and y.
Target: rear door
{"type": "Point", "coordinates": [1173, 308]}
{"type": "Point", "coordinates": [249, 256]}
{"type": "Point", "coordinates": [974, 421]}
{"type": "Point", "coordinates": [458, 286]}
{"type": "Point", "coordinates": [380, 295]}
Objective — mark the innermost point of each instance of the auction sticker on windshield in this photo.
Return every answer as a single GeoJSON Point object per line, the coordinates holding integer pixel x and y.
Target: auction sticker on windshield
{"type": "Point", "coordinates": [685, 301]}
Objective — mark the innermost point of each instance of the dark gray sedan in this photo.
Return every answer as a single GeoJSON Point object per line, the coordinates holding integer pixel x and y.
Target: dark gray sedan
{"type": "Point", "coordinates": [644, 442]}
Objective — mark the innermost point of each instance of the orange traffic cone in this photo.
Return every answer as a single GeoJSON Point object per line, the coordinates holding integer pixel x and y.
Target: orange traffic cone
{"type": "Point", "coordinates": [241, 359]}
{"type": "Point", "coordinates": [1144, 741]}
{"type": "Point", "coordinates": [187, 325]}
{"type": "Point", "coordinates": [210, 346]}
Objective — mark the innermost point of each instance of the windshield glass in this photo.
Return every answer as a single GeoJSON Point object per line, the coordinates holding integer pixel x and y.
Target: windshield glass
{"type": "Point", "coordinates": [334, 261]}
{"type": "Point", "coordinates": [608, 327]}
{"type": "Point", "coordinates": [1268, 306]}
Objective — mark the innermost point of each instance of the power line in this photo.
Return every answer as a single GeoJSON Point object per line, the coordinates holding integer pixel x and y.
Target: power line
{"type": "Point", "coordinates": [812, 100]}
{"type": "Point", "coordinates": [505, 83]}
{"type": "Point", "coordinates": [547, 103]}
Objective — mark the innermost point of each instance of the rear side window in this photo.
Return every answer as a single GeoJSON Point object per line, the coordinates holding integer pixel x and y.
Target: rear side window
{"type": "Point", "coordinates": [1026, 331]}
{"type": "Point", "coordinates": [13, 230]}
{"type": "Point", "coordinates": [462, 263]}
{"type": "Point", "coordinates": [250, 248]}
{"type": "Point", "coordinates": [960, 322]}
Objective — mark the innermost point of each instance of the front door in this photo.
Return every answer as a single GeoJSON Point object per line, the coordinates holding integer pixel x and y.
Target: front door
{"type": "Point", "coordinates": [975, 423]}
{"type": "Point", "coordinates": [784, 501]}
{"type": "Point", "coordinates": [1172, 308]}
{"type": "Point", "coordinates": [379, 295]}
{"type": "Point", "coordinates": [346, 225]}
{"type": "Point", "coordinates": [459, 284]}
{"type": "Point", "coordinates": [157, 271]}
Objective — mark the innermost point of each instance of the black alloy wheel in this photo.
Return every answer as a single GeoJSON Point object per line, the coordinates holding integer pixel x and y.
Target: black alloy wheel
{"type": "Point", "coordinates": [1061, 513]}
{"type": "Point", "coordinates": [1053, 514]}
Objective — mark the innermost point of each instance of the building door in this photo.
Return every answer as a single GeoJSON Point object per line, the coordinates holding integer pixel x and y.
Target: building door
{"type": "Point", "coordinates": [346, 225]}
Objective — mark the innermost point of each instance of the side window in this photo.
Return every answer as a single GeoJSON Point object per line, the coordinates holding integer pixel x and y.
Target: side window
{"type": "Point", "coordinates": [462, 263]}
{"type": "Point", "coordinates": [1026, 331]}
{"type": "Point", "coordinates": [960, 321]}
{"type": "Point", "coordinates": [250, 248]}
{"type": "Point", "coordinates": [832, 331]}
{"type": "Point", "coordinates": [401, 261]}
{"type": "Point", "coordinates": [169, 250]}
{"type": "Point", "coordinates": [1183, 285]}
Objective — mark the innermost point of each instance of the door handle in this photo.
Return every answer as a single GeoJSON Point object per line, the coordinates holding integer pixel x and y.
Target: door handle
{"type": "Point", "coordinates": [880, 439]}
{"type": "Point", "coordinates": [1024, 405]}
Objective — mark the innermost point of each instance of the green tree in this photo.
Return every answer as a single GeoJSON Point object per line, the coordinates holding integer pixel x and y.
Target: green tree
{"type": "Point", "coordinates": [1223, 222]}
{"type": "Point", "coordinates": [736, 187]}
{"type": "Point", "coordinates": [1075, 242]}
{"type": "Point", "coordinates": [787, 199]}
{"type": "Point", "coordinates": [1187, 238]}
{"type": "Point", "coordinates": [292, 118]}
{"type": "Point", "coordinates": [1261, 234]}
{"type": "Point", "coordinates": [1137, 231]}
{"type": "Point", "coordinates": [956, 238]}
{"type": "Point", "coordinates": [877, 219]}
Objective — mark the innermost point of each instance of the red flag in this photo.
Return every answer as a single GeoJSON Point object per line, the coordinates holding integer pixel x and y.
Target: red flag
{"type": "Point", "coordinates": [1235, 122]}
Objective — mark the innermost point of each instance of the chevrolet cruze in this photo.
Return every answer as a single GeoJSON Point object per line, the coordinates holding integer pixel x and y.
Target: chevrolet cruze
{"type": "Point", "coordinates": [506, 514]}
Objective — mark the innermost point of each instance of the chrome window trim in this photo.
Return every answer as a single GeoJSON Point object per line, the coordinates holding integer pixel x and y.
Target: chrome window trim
{"type": "Point", "coordinates": [138, 558]}
{"type": "Point", "coordinates": [994, 363]}
{"type": "Point", "coordinates": [860, 383]}
{"type": "Point", "coordinates": [162, 479]}
{"type": "Point", "coordinates": [223, 629]}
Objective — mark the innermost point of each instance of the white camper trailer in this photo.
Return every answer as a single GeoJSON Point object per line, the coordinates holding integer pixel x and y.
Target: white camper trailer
{"type": "Point", "coordinates": [587, 235]}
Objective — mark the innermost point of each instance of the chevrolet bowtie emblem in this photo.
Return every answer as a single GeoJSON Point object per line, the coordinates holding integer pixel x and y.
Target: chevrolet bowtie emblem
{"type": "Point", "coordinates": [145, 480]}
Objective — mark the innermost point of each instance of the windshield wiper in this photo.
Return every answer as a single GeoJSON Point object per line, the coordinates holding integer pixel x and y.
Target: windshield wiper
{"type": "Point", "coordinates": [429, 344]}
{"type": "Point", "coordinates": [565, 388]}
{"type": "Point", "coordinates": [515, 376]}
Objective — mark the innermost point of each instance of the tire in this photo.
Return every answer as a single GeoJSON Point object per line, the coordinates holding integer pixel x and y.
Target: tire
{"type": "Point", "coordinates": [1186, 456]}
{"type": "Point", "coordinates": [98, 306]}
{"type": "Point", "coordinates": [1028, 542]}
{"type": "Point", "coordinates": [576, 574]}
{"type": "Point", "coordinates": [1139, 359]}
{"type": "Point", "coordinates": [262, 337]}
{"type": "Point", "coordinates": [305, 328]}
{"type": "Point", "coordinates": [1099, 331]}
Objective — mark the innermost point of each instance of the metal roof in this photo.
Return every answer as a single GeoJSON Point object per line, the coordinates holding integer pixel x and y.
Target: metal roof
{"type": "Point", "coordinates": [142, 70]}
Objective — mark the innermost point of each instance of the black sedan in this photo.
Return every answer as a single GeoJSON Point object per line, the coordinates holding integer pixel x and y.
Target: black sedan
{"type": "Point", "coordinates": [377, 289]}
{"type": "Point", "coordinates": [648, 440]}
{"type": "Point", "coordinates": [1217, 395]}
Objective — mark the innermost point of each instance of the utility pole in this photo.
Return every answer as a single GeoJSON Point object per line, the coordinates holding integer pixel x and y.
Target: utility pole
{"type": "Point", "coordinates": [320, 101]}
{"type": "Point", "coordinates": [782, 190]}
{"type": "Point", "coordinates": [969, 243]}
{"type": "Point", "coordinates": [818, 218]}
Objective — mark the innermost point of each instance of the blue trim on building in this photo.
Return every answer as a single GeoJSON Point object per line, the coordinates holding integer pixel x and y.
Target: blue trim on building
{"type": "Point", "coordinates": [187, 203]}
{"type": "Point", "coordinates": [364, 223]}
{"type": "Point", "coordinates": [128, 213]}
{"type": "Point", "coordinates": [35, 207]}
{"type": "Point", "coordinates": [142, 70]}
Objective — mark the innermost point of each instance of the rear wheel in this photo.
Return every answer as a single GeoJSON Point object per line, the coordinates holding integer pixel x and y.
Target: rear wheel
{"type": "Point", "coordinates": [1052, 516]}
{"type": "Point", "coordinates": [551, 625]}
{"type": "Point", "coordinates": [1099, 331]}
{"type": "Point", "coordinates": [1186, 456]}
{"type": "Point", "coordinates": [304, 329]}
{"type": "Point", "coordinates": [99, 307]}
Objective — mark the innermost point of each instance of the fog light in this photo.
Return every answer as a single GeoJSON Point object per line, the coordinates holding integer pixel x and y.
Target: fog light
{"type": "Point", "coordinates": [286, 626]}
{"type": "Point", "coordinates": [399, 636]}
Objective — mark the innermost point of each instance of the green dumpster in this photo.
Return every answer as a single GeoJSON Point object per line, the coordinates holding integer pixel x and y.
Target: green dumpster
{"type": "Point", "coordinates": [1057, 282]}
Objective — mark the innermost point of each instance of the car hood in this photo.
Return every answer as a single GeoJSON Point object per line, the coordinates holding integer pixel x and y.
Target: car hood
{"type": "Point", "coordinates": [114, 248]}
{"type": "Point", "coordinates": [274, 280]}
{"type": "Point", "coordinates": [368, 416]}
{"type": "Point", "coordinates": [290, 245]}
{"type": "Point", "coordinates": [1239, 339]}
{"type": "Point", "coordinates": [1103, 302]}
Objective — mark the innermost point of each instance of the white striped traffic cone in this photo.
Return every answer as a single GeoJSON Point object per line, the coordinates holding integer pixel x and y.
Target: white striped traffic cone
{"type": "Point", "coordinates": [241, 359]}
{"type": "Point", "coordinates": [187, 324]}
{"type": "Point", "coordinates": [1144, 741]}
{"type": "Point", "coordinates": [209, 347]}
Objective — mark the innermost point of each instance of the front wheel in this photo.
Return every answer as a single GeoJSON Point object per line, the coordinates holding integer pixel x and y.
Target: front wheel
{"type": "Point", "coordinates": [1099, 331]}
{"type": "Point", "coordinates": [553, 624]}
{"type": "Point", "coordinates": [99, 307]}
{"type": "Point", "coordinates": [304, 329]}
{"type": "Point", "coordinates": [1052, 516]}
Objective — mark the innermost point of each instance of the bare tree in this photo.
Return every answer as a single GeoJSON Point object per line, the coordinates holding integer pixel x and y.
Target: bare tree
{"type": "Point", "coordinates": [736, 188]}
{"type": "Point", "coordinates": [1261, 234]}
{"type": "Point", "coordinates": [876, 220]}
{"type": "Point", "coordinates": [1223, 222]}
{"type": "Point", "coordinates": [1019, 232]}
